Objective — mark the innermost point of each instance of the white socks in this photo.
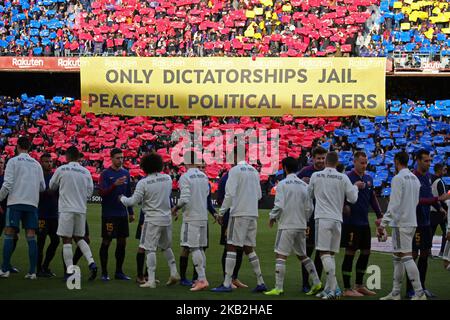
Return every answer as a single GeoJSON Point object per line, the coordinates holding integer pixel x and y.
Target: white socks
{"type": "Point", "coordinates": [230, 263]}
{"type": "Point", "coordinates": [68, 255]}
{"type": "Point", "coordinates": [399, 272]}
{"type": "Point", "coordinates": [151, 265]}
{"type": "Point", "coordinates": [170, 257]}
{"type": "Point", "coordinates": [197, 259]}
{"type": "Point", "coordinates": [311, 268]}
{"type": "Point", "coordinates": [280, 271]}
{"type": "Point", "coordinates": [330, 269]}
{"type": "Point", "coordinates": [413, 274]}
{"type": "Point", "coordinates": [84, 247]}
{"type": "Point", "coordinates": [254, 261]}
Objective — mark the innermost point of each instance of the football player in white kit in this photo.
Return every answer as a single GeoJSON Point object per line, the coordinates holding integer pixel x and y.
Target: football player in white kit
{"type": "Point", "coordinates": [330, 188]}
{"type": "Point", "coordinates": [401, 217]}
{"type": "Point", "coordinates": [75, 187]}
{"type": "Point", "coordinates": [242, 193]}
{"type": "Point", "coordinates": [292, 209]}
{"type": "Point", "coordinates": [154, 192]}
{"type": "Point", "coordinates": [194, 191]}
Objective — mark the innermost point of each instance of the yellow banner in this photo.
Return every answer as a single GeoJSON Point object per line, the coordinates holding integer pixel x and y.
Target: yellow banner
{"type": "Point", "coordinates": [233, 86]}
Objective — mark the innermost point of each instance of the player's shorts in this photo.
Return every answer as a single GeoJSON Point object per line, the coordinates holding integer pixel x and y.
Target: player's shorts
{"type": "Point", "coordinates": [154, 237]}
{"type": "Point", "coordinates": [446, 254]}
{"type": "Point", "coordinates": [71, 224]}
{"type": "Point", "coordinates": [115, 227]}
{"type": "Point", "coordinates": [311, 233]}
{"type": "Point", "coordinates": [436, 218]}
{"type": "Point", "coordinates": [422, 239]}
{"type": "Point", "coordinates": [242, 231]}
{"type": "Point", "coordinates": [48, 226]}
{"type": "Point", "coordinates": [328, 235]}
{"type": "Point", "coordinates": [289, 240]}
{"type": "Point", "coordinates": [22, 212]}
{"type": "Point", "coordinates": [194, 234]}
{"type": "Point", "coordinates": [140, 225]}
{"type": "Point", "coordinates": [356, 237]}
{"type": "Point", "coordinates": [402, 239]}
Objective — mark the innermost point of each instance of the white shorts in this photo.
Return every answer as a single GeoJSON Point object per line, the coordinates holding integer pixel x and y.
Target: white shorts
{"type": "Point", "coordinates": [154, 237]}
{"type": "Point", "coordinates": [242, 231]}
{"type": "Point", "coordinates": [194, 234]}
{"type": "Point", "coordinates": [289, 240]}
{"type": "Point", "coordinates": [71, 224]}
{"type": "Point", "coordinates": [446, 255]}
{"type": "Point", "coordinates": [328, 235]}
{"type": "Point", "coordinates": [402, 239]}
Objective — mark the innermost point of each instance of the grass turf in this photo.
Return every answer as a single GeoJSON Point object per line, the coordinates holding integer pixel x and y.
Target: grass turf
{"type": "Point", "coordinates": [16, 287]}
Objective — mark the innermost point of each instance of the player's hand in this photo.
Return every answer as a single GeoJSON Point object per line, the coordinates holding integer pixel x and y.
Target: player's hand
{"type": "Point", "coordinates": [381, 234]}
{"type": "Point", "coordinates": [131, 218]}
{"type": "Point", "coordinates": [120, 181]}
{"type": "Point", "coordinates": [378, 222]}
{"type": "Point", "coordinates": [220, 219]}
{"type": "Point", "coordinates": [361, 185]}
{"type": "Point", "coordinates": [271, 223]}
{"type": "Point", "coordinates": [448, 236]}
{"type": "Point", "coordinates": [306, 179]}
{"type": "Point", "coordinates": [443, 212]}
{"type": "Point", "coordinates": [174, 211]}
{"type": "Point", "coordinates": [444, 197]}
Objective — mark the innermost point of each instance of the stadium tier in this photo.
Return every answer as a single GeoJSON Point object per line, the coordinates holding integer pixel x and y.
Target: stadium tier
{"type": "Point", "coordinates": [56, 124]}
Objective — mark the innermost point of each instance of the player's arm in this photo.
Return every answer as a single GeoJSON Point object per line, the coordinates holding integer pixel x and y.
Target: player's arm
{"type": "Point", "coordinates": [185, 193]}
{"type": "Point", "coordinates": [128, 194]}
{"type": "Point", "coordinates": [104, 187]}
{"type": "Point", "coordinates": [54, 181]}
{"type": "Point", "coordinates": [230, 191]}
{"type": "Point", "coordinates": [258, 187]}
{"type": "Point", "coordinates": [311, 187]}
{"type": "Point", "coordinates": [308, 207]}
{"type": "Point", "coordinates": [441, 191]}
{"type": "Point", "coordinates": [42, 185]}
{"type": "Point", "coordinates": [394, 202]}
{"type": "Point", "coordinates": [375, 205]}
{"type": "Point", "coordinates": [278, 204]}
{"type": "Point", "coordinates": [8, 181]}
{"type": "Point", "coordinates": [351, 191]}
{"type": "Point", "coordinates": [136, 198]}
{"type": "Point", "coordinates": [90, 185]}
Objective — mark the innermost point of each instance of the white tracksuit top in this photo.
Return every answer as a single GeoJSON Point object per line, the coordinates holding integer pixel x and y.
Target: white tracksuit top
{"type": "Point", "coordinates": [293, 206]}
{"type": "Point", "coordinates": [23, 181]}
{"type": "Point", "coordinates": [154, 192]}
{"type": "Point", "coordinates": [242, 191]}
{"type": "Point", "coordinates": [405, 192]}
{"type": "Point", "coordinates": [331, 188]}
{"type": "Point", "coordinates": [75, 187]}
{"type": "Point", "coordinates": [194, 191]}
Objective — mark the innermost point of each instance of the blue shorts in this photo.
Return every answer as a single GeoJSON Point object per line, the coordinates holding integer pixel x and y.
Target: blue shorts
{"type": "Point", "coordinates": [17, 212]}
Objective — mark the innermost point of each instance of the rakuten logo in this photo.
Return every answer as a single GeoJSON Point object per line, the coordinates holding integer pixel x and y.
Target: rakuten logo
{"type": "Point", "coordinates": [27, 62]}
{"type": "Point", "coordinates": [69, 63]}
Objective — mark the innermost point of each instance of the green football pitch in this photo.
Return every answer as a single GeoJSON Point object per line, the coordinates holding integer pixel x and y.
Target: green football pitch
{"type": "Point", "coordinates": [16, 287]}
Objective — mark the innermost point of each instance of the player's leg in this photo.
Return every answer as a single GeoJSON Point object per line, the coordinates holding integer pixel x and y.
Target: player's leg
{"type": "Point", "coordinates": [364, 245]}
{"type": "Point", "coordinates": [122, 233]}
{"type": "Point", "coordinates": [79, 231]}
{"type": "Point", "coordinates": [41, 236]}
{"type": "Point", "coordinates": [107, 230]}
{"type": "Point", "coordinates": [348, 241]}
{"type": "Point", "coordinates": [199, 236]}
{"type": "Point", "coordinates": [140, 254]}
{"type": "Point", "coordinates": [283, 246]}
{"type": "Point", "coordinates": [444, 238]}
{"type": "Point", "coordinates": [422, 263]}
{"type": "Point", "coordinates": [30, 223]}
{"type": "Point", "coordinates": [249, 244]}
{"type": "Point", "coordinates": [299, 246]}
{"type": "Point", "coordinates": [78, 254]}
{"type": "Point", "coordinates": [165, 243]}
{"type": "Point", "coordinates": [406, 235]}
{"type": "Point", "coordinates": [52, 247]}
{"type": "Point", "coordinates": [149, 241]}
{"type": "Point", "coordinates": [416, 248]}
{"type": "Point", "coordinates": [329, 239]}
{"type": "Point", "coordinates": [184, 255]}
{"type": "Point", "coordinates": [446, 255]}
{"type": "Point", "coordinates": [12, 218]}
